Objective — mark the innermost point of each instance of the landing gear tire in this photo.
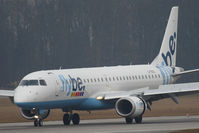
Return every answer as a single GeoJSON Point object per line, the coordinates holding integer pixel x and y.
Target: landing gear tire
{"type": "Point", "coordinates": [129, 120]}
{"type": "Point", "coordinates": [35, 123]}
{"type": "Point", "coordinates": [66, 119]}
{"type": "Point", "coordinates": [138, 119]}
{"type": "Point", "coordinates": [75, 119]}
{"type": "Point", "coordinates": [38, 122]}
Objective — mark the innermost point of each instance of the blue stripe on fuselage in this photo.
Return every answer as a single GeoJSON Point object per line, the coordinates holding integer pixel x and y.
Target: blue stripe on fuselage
{"type": "Point", "coordinates": [63, 82]}
{"type": "Point", "coordinates": [74, 104]}
{"type": "Point", "coordinates": [170, 73]}
{"type": "Point", "coordinates": [166, 74]}
{"type": "Point", "coordinates": [162, 73]}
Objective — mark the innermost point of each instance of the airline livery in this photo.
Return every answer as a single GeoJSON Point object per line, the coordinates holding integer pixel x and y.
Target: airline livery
{"type": "Point", "coordinates": [129, 89]}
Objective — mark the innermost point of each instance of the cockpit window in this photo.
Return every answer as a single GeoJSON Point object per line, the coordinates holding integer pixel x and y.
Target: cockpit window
{"type": "Point", "coordinates": [42, 82]}
{"type": "Point", "coordinates": [29, 83]}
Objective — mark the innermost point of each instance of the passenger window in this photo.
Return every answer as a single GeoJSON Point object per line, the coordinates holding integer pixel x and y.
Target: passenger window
{"type": "Point", "coordinates": [120, 78]}
{"type": "Point", "coordinates": [42, 82]}
{"type": "Point", "coordinates": [145, 76]}
{"type": "Point", "coordinates": [94, 80]}
{"type": "Point", "coordinates": [98, 80]}
{"type": "Point", "coordinates": [133, 77]}
{"type": "Point", "coordinates": [117, 78]}
{"type": "Point", "coordinates": [123, 77]}
{"type": "Point", "coordinates": [130, 77]}
{"type": "Point", "coordinates": [142, 76]}
{"type": "Point", "coordinates": [113, 79]}
{"type": "Point", "coordinates": [84, 81]}
{"type": "Point", "coordinates": [88, 80]}
{"type": "Point", "coordinates": [109, 78]}
{"type": "Point", "coordinates": [91, 80]}
{"type": "Point", "coordinates": [127, 78]}
{"type": "Point", "coordinates": [102, 79]}
{"type": "Point", "coordinates": [152, 76]}
{"type": "Point", "coordinates": [136, 77]}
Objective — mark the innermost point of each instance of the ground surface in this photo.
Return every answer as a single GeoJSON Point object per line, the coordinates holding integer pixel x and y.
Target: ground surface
{"type": "Point", "coordinates": [187, 131]}
{"type": "Point", "coordinates": [150, 125]}
{"type": "Point", "coordinates": [189, 105]}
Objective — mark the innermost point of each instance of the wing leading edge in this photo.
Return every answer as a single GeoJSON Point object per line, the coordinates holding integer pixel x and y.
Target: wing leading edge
{"type": "Point", "coordinates": [172, 91]}
{"type": "Point", "coordinates": [164, 91]}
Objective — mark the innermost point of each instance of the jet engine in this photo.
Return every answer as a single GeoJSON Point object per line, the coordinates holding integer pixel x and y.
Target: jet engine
{"type": "Point", "coordinates": [130, 106]}
{"type": "Point", "coordinates": [30, 114]}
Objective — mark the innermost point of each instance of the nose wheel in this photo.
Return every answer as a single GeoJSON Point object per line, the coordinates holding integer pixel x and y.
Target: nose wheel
{"type": "Point", "coordinates": [38, 123]}
{"type": "Point", "coordinates": [68, 117]}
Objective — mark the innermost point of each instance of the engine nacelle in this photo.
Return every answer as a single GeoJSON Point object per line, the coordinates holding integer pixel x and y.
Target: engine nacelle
{"type": "Point", "coordinates": [30, 114]}
{"type": "Point", "coordinates": [130, 106]}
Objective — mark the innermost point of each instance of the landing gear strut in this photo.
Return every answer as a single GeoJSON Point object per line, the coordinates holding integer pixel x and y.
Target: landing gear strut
{"type": "Point", "coordinates": [68, 117]}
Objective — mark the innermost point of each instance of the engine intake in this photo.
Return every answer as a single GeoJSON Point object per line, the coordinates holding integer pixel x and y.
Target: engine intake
{"type": "Point", "coordinates": [130, 106]}
{"type": "Point", "coordinates": [29, 114]}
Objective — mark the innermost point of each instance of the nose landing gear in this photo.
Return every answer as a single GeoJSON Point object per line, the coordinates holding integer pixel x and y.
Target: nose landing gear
{"type": "Point", "coordinates": [38, 123]}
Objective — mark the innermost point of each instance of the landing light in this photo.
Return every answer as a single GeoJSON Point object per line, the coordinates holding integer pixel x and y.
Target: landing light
{"type": "Point", "coordinates": [100, 98]}
{"type": "Point", "coordinates": [36, 117]}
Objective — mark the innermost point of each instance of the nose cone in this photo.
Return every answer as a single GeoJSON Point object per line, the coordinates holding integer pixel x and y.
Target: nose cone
{"type": "Point", "coordinates": [22, 97]}
{"type": "Point", "coordinates": [18, 96]}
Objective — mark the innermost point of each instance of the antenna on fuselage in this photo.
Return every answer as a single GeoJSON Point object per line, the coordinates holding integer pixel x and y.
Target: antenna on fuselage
{"type": "Point", "coordinates": [60, 67]}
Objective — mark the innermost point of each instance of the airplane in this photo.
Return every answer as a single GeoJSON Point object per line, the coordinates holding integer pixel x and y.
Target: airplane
{"type": "Point", "coordinates": [130, 89]}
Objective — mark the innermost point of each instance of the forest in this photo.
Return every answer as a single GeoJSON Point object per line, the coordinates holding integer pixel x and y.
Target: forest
{"type": "Point", "coordinates": [51, 34]}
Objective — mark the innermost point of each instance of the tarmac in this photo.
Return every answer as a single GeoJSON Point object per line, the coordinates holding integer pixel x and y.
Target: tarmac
{"type": "Point", "coordinates": [150, 125]}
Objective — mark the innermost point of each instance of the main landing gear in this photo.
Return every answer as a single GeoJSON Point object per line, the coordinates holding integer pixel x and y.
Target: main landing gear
{"type": "Point", "coordinates": [138, 120]}
{"type": "Point", "coordinates": [68, 117]}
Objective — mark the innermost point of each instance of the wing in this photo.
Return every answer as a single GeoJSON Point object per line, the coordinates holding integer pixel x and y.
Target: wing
{"type": "Point", "coordinates": [164, 91]}
{"type": "Point", "coordinates": [7, 93]}
{"type": "Point", "coordinates": [172, 91]}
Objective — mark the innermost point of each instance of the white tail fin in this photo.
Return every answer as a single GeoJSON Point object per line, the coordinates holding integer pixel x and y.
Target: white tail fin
{"type": "Point", "coordinates": [167, 54]}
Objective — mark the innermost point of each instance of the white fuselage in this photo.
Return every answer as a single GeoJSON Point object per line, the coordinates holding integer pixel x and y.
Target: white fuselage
{"type": "Point", "coordinates": [78, 88]}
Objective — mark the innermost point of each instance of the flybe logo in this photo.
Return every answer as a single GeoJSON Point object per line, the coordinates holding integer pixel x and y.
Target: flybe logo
{"type": "Point", "coordinates": [71, 86]}
{"type": "Point", "coordinates": [170, 53]}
